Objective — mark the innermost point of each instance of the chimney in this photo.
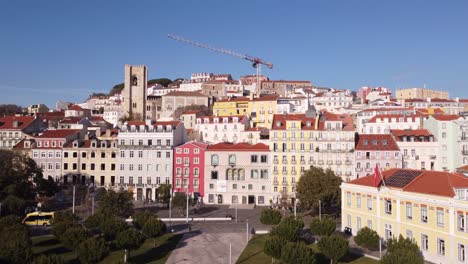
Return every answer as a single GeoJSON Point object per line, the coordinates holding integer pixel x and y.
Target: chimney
{"type": "Point", "coordinates": [251, 96]}
{"type": "Point", "coordinates": [317, 118]}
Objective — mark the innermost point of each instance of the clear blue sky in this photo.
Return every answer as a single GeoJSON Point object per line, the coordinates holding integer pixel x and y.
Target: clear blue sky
{"type": "Point", "coordinates": [51, 50]}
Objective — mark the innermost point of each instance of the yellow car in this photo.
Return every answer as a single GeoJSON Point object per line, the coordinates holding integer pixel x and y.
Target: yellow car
{"type": "Point", "coordinates": [39, 219]}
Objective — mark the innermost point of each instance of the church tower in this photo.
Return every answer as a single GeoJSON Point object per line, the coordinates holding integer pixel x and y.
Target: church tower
{"type": "Point", "coordinates": [135, 85]}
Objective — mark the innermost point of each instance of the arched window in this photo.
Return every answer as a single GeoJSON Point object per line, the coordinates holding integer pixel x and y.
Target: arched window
{"type": "Point", "coordinates": [232, 159]}
{"type": "Point", "coordinates": [134, 80]}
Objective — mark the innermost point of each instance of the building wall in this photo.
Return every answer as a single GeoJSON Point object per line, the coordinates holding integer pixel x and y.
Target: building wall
{"type": "Point", "coordinates": [366, 160]}
{"type": "Point", "coordinates": [189, 169]}
{"type": "Point", "coordinates": [171, 103]}
{"type": "Point", "coordinates": [419, 155]}
{"type": "Point", "coordinates": [228, 190]}
{"type": "Point", "coordinates": [446, 133]}
{"type": "Point", "coordinates": [135, 81]}
{"type": "Point", "coordinates": [218, 131]}
{"type": "Point", "coordinates": [420, 93]}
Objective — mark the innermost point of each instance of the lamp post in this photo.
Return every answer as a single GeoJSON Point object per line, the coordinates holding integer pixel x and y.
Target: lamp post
{"type": "Point", "coordinates": [320, 210]}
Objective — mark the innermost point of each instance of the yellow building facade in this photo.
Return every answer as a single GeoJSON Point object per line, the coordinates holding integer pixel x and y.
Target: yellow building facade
{"type": "Point", "coordinates": [428, 206]}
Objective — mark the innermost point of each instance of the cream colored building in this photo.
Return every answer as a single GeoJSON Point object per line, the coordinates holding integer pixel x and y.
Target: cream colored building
{"type": "Point", "coordinates": [420, 93]}
{"type": "Point", "coordinates": [216, 129]}
{"type": "Point", "coordinates": [418, 148]}
{"type": "Point", "coordinates": [430, 207]}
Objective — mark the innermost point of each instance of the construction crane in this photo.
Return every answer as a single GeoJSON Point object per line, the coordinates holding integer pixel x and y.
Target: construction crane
{"type": "Point", "coordinates": [256, 62]}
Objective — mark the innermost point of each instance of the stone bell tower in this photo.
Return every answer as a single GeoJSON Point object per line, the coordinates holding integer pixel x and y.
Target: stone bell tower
{"type": "Point", "coordinates": [135, 85]}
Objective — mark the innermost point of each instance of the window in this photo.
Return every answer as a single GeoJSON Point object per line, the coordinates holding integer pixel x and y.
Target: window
{"type": "Point", "coordinates": [253, 158]}
{"type": "Point", "coordinates": [263, 158]}
{"type": "Point", "coordinates": [158, 154]}
{"type": "Point", "coordinates": [75, 154]}
{"type": "Point", "coordinates": [369, 203]}
{"type": "Point", "coordinates": [214, 160]}
{"type": "Point", "coordinates": [232, 159]}
{"type": "Point", "coordinates": [441, 246]}
{"type": "Point", "coordinates": [122, 154]}
{"type": "Point", "coordinates": [131, 153]}
{"type": "Point", "coordinates": [254, 174]}
{"type": "Point", "coordinates": [440, 217]}
{"type": "Point", "coordinates": [348, 221]}
{"type": "Point", "coordinates": [196, 151]}
{"type": "Point", "coordinates": [140, 153]}
{"type": "Point", "coordinates": [196, 172]}
{"type": "Point", "coordinates": [178, 160]}
{"type": "Point", "coordinates": [179, 151]}
{"type": "Point", "coordinates": [460, 222]}
{"type": "Point", "coordinates": [348, 199]}
{"type": "Point", "coordinates": [461, 252]}
{"type": "Point", "coordinates": [388, 206]}
{"type": "Point", "coordinates": [358, 223]}
{"type": "Point", "coordinates": [196, 161]}
{"type": "Point", "coordinates": [423, 213]}
{"type": "Point", "coordinates": [409, 211]}
{"type": "Point", "coordinates": [211, 186]}
{"type": "Point", "coordinates": [369, 224]}
{"type": "Point", "coordinates": [358, 201]}
{"type": "Point", "coordinates": [214, 175]}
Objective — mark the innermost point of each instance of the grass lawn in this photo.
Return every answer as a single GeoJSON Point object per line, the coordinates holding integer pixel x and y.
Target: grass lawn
{"type": "Point", "coordinates": [147, 253]}
{"type": "Point", "coordinates": [253, 254]}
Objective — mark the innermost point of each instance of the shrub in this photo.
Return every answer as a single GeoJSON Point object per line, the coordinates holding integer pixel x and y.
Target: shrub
{"type": "Point", "coordinates": [94, 221]}
{"type": "Point", "coordinates": [270, 217]}
{"type": "Point", "coordinates": [48, 259]}
{"type": "Point", "coordinates": [297, 253]}
{"type": "Point", "coordinates": [110, 226]}
{"type": "Point", "coordinates": [324, 227]}
{"type": "Point", "coordinates": [153, 227]}
{"type": "Point", "coordinates": [92, 250]}
{"type": "Point", "coordinates": [402, 250]}
{"type": "Point", "coordinates": [367, 238]}
{"type": "Point", "coordinates": [288, 229]}
{"type": "Point", "coordinates": [129, 239]}
{"type": "Point", "coordinates": [59, 228]}
{"type": "Point", "coordinates": [74, 236]}
{"type": "Point", "coordinates": [273, 246]}
{"type": "Point", "coordinates": [15, 245]}
{"type": "Point", "coordinates": [9, 220]}
{"type": "Point", "coordinates": [140, 218]}
{"type": "Point", "coordinates": [65, 216]}
{"type": "Point", "coordinates": [333, 247]}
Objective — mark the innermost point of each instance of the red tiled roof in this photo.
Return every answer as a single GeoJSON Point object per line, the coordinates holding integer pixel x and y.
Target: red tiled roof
{"type": "Point", "coordinates": [463, 168]}
{"type": "Point", "coordinates": [60, 133]}
{"type": "Point", "coordinates": [347, 121]}
{"type": "Point", "coordinates": [75, 108]}
{"type": "Point", "coordinates": [445, 117]}
{"type": "Point", "coordinates": [191, 112]}
{"type": "Point", "coordinates": [8, 122]}
{"type": "Point", "coordinates": [389, 117]}
{"type": "Point", "coordinates": [154, 123]}
{"type": "Point", "coordinates": [463, 100]}
{"type": "Point", "coordinates": [185, 93]}
{"type": "Point", "coordinates": [415, 100]}
{"type": "Point", "coordinates": [272, 97]}
{"type": "Point", "coordinates": [397, 133]}
{"type": "Point", "coordinates": [375, 142]}
{"type": "Point", "coordinates": [427, 182]}
{"type": "Point", "coordinates": [199, 144]}
{"type": "Point", "coordinates": [383, 109]}
{"type": "Point", "coordinates": [81, 144]}
{"type": "Point", "coordinates": [440, 100]}
{"type": "Point", "coordinates": [71, 120]}
{"type": "Point", "coordinates": [238, 147]}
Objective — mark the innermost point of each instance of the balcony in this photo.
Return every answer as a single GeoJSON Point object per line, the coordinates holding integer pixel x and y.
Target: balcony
{"type": "Point", "coordinates": [275, 162]}
{"type": "Point", "coordinates": [294, 172]}
{"type": "Point", "coordinates": [186, 164]}
{"type": "Point", "coordinates": [329, 162]}
{"type": "Point", "coordinates": [338, 162]}
{"type": "Point", "coordinates": [303, 162]}
{"type": "Point", "coordinates": [320, 162]}
{"type": "Point", "coordinates": [275, 183]}
{"type": "Point", "coordinates": [368, 169]}
{"type": "Point", "coordinates": [275, 172]}
{"type": "Point", "coordinates": [348, 162]}
{"type": "Point", "coordinates": [339, 173]}
{"type": "Point", "coordinates": [464, 152]}
{"type": "Point", "coordinates": [348, 173]}
{"type": "Point", "coordinates": [433, 157]}
{"type": "Point", "coordinates": [358, 169]}
{"type": "Point", "coordinates": [293, 162]}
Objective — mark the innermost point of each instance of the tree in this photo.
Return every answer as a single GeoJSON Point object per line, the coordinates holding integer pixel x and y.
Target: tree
{"type": "Point", "coordinates": [164, 193]}
{"type": "Point", "coordinates": [117, 203]}
{"type": "Point", "coordinates": [117, 89]}
{"type": "Point", "coordinates": [140, 218]}
{"type": "Point", "coordinates": [16, 245]}
{"type": "Point", "coordinates": [59, 229]}
{"type": "Point", "coordinates": [288, 229]}
{"type": "Point", "coordinates": [21, 182]}
{"type": "Point", "coordinates": [203, 108]}
{"type": "Point", "coordinates": [273, 246]}
{"type": "Point", "coordinates": [297, 253]}
{"type": "Point", "coordinates": [334, 247]}
{"type": "Point", "coordinates": [153, 227]}
{"type": "Point", "coordinates": [270, 217]}
{"type": "Point", "coordinates": [367, 238]}
{"type": "Point", "coordinates": [111, 226]}
{"type": "Point", "coordinates": [129, 239]}
{"type": "Point", "coordinates": [10, 109]}
{"type": "Point", "coordinates": [324, 227]}
{"type": "Point", "coordinates": [92, 250]}
{"type": "Point", "coordinates": [73, 236]}
{"type": "Point", "coordinates": [317, 184]}
{"type": "Point", "coordinates": [180, 200]}
{"type": "Point", "coordinates": [402, 250]}
{"type": "Point", "coordinates": [48, 259]}
{"type": "Point", "coordinates": [162, 81]}
{"type": "Point", "coordinates": [100, 194]}
{"type": "Point", "coordinates": [8, 221]}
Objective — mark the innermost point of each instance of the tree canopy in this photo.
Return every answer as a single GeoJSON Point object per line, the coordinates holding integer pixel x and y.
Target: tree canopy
{"type": "Point", "coordinates": [21, 181]}
{"type": "Point", "coordinates": [402, 250]}
{"type": "Point", "coordinates": [10, 109]}
{"type": "Point", "coordinates": [322, 227]}
{"type": "Point", "coordinates": [162, 81]}
{"type": "Point", "coordinates": [117, 89]}
{"type": "Point", "coordinates": [334, 247]}
{"type": "Point", "coordinates": [116, 203]}
{"type": "Point", "coordinates": [317, 184]}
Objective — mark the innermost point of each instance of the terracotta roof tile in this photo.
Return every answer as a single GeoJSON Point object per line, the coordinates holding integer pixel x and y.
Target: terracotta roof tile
{"type": "Point", "coordinates": [60, 133]}
{"type": "Point", "coordinates": [445, 117]}
{"type": "Point", "coordinates": [396, 116]}
{"type": "Point", "coordinates": [185, 93]}
{"type": "Point", "coordinates": [376, 142]}
{"type": "Point", "coordinates": [76, 108]}
{"type": "Point", "coordinates": [8, 122]}
{"type": "Point", "coordinates": [397, 133]}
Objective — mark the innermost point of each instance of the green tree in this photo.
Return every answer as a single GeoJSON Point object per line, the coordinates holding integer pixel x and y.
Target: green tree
{"type": "Point", "coordinates": [10, 109]}
{"type": "Point", "coordinates": [273, 246]}
{"type": "Point", "coordinates": [297, 253]}
{"type": "Point", "coordinates": [48, 259]}
{"type": "Point", "coordinates": [140, 218]}
{"type": "Point", "coordinates": [117, 89]}
{"type": "Point", "coordinates": [111, 226]}
{"type": "Point", "coordinates": [324, 227]}
{"type": "Point", "coordinates": [334, 247]}
{"type": "Point", "coordinates": [162, 81]}
{"type": "Point", "coordinates": [288, 229]}
{"type": "Point", "coordinates": [317, 184]}
{"type": "Point", "coordinates": [73, 236]}
{"type": "Point", "coordinates": [16, 245]}
{"type": "Point", "coordinates": [270, 217]}
{"type": "Point", "coordinates": [100, 194]}
{"type": "Point", "coordinates": [153, 227]}
{"type": "Point", "coordinates": [164, 193]}
{"type": "Point", "coordinates": [92, 250]}
{"type": "Point", "coordinates": [8, 221]}
{"type": "Point", "coordinates": [402, 251]}
{"type": "Point", "coordinates": [94, 221]}
{"type": "Point", "coordinates": [367, 238]}
{"type": "Point", "coordinates": [117, 203]}
{"type": "Point", "coordinates": [59, 229]}
{"type": "Point", "coordinates": [180, 201]}
{"type": "Point", "coordinates": [129, 239]}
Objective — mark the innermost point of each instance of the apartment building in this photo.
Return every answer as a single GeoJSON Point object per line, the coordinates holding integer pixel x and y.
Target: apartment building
{"type": "Point", "coordinates": [299, 141]}
{"type": "Point", "coordinates": [189, 118]}
{"type": "Point", "coordinates": [91, 161]}
{"type": "Point", "coordinates": [146, 158]}
{"type": "Point", "coordinates": [216, 129]}
{"type": "Point", "coordinates": [331, 99]}
{"type": "Point", "coordinates": [462, 140]}
{"type": "Point", "coordinates": [376, 150]}
{"type": "Point", "coordinates": [47, 151]}
{"type": "Point", "coordinates": [177, 99]}
{"type": "Point", "coordinates": [189, 168]}
{"type": "Point", "coordinates": [14, 128]}
{"type": "Point", "coordinates": [382, 124]}
{"type": "Point", "coordinates": [362, 117]}
{"type": "Point", "coordinates": [237, 174]}
{"type": "Point", "coordinates": [418, 147]}
{"type": "Point", "coordinates": [430, 207]}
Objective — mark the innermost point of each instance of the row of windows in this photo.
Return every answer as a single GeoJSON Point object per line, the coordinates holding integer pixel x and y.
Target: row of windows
{"type": "Point", "coordinates": [142, 142]}
{"type": "Point", "coordinates": [85, 154]}
{"type": "Point", "coordinates": [140, 180]}
{"type": "Point", "coordinates": [92, 166]}
{"type": "Point", "coordinates": [187, 161]}
{"type": "Point", "coordinates": [10, 134]}
{"type": "Point", "coordinates": [196, 183]}
{"type": "Point", "coordinates": [320, 135]}
{"type": "Point", "coordinates": [131, 154]}
{"type": "Point", "coordinates": [149, 167]}
{"type": "Point", "coordinates": [376, 154]}
{"type": "Point", "coordinates": [319, 147]}
{"type": "Point", "coordinates": [239, 174]}
{"type": "Point", "coordinates": [53, 143]}
{"type": "Point", "coordinates": [235, 187]}
{"type": "Point", "coordinates": [187, 150]}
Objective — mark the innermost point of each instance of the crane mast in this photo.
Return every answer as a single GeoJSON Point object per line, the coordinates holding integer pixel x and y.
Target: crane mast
{"type": "Point", "coordinates": [256, 62]}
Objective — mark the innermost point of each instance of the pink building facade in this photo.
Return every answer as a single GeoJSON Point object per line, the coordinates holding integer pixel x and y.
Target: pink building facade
{"type": "Point", "coordinates": [374, 149]}
{"type": "Point", "coordinates": [189, 168]}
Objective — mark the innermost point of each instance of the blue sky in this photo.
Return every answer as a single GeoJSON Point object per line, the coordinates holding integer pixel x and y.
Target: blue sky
{"type": "Point", "coordinates": [65, 50]}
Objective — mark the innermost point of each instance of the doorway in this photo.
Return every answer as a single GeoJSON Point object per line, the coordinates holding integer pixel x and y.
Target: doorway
{"type": "Point", "coordinates": [251, 199]}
